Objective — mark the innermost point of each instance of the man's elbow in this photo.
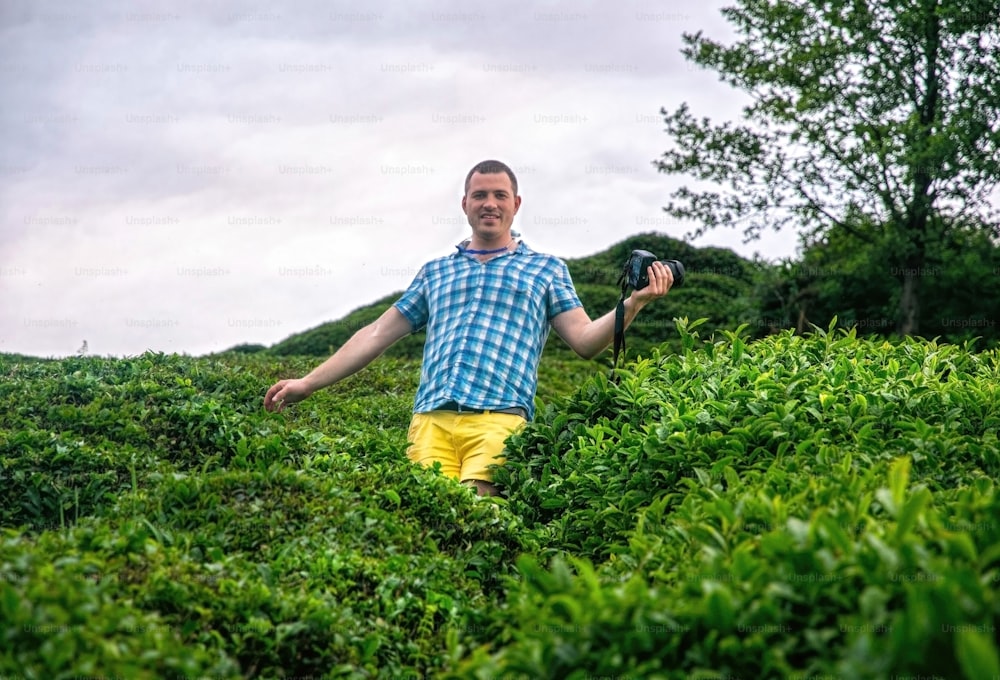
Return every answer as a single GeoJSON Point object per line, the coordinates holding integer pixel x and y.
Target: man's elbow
{"type": "Point", "coordinates": [578, 342]}
{"type": "Point", "coordinates": [585, 352]}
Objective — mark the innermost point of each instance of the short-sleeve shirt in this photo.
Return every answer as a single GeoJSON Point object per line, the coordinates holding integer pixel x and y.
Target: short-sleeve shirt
{"type": "Point", "coordinates": [487, 323]}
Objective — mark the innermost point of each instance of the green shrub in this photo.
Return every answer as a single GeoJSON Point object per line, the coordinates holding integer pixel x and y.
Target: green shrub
{"type": "Point", "coordinates": [590, 461]}
{"type": "Point", "coordinates": [792, 507]}
{"type": "Point", "coordinates": [787, 507]}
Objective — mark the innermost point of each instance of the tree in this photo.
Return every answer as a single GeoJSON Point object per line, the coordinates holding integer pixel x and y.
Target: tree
{"type": "Point", "coordinates": [884, 109]}
{"type": "Point", "coordinates": [837, 276]}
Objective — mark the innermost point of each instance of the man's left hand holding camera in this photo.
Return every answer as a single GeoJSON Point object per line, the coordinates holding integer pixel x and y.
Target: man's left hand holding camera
{"type": "Point", "coordinates": [589, 338]}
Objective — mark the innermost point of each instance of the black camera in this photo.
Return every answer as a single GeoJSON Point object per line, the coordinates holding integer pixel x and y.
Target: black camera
{"type": "Point", "coordinates": [634, 273]}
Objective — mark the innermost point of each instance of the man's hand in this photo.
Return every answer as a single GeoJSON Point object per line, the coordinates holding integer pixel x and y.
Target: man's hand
{"type": "Point", "coordinates": [285, 392]}
{"type": "Point", "coordinates": [589, 338]}
{"type": "Point", "coordinates": [660, 281]}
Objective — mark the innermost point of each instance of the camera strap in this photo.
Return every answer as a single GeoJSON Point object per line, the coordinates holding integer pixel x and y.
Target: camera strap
{"type": "Point", "coordinates": [619, 341]}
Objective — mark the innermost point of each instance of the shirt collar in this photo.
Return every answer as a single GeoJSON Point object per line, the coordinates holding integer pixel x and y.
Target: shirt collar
{"type": "Point", "coordinates": [522, 249]}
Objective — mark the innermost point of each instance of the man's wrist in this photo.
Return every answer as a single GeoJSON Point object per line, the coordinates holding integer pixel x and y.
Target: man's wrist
{"type": "Point", "coordinates": [633, 305]}
{"type": "Point", "coordinates": [312, 385]}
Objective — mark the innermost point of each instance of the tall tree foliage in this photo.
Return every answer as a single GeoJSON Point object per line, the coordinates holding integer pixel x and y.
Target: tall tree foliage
{"type": "Point", "coordinates": [878, 117]}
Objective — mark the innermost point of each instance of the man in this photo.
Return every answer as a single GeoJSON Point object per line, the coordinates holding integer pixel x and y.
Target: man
{"type": "Point", "coordinates": [487, 309]}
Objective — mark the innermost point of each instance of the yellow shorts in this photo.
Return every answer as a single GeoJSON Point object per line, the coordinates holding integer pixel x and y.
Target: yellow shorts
{"type": "Point", "coordinates": [466, 444]}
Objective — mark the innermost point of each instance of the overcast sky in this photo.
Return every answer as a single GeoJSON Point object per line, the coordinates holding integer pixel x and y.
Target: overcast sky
{"type": "Point", "coordinates": [187, 176]}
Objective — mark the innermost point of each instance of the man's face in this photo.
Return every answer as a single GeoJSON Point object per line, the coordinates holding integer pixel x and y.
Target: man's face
{"type": "Point", "coordinates": [490, 205]}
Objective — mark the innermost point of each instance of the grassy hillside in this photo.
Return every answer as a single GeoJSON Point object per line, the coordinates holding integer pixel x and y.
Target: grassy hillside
{"type": "Point", "coordinates": [819, 506]}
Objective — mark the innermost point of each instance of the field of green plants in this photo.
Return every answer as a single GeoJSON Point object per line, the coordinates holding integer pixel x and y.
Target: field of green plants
{"type": "Point", "coordinates": [820, 506]}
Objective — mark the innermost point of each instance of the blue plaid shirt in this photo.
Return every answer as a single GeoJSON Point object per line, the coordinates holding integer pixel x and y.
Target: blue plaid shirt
{"type": "Point", "coordinates": [487, 323]}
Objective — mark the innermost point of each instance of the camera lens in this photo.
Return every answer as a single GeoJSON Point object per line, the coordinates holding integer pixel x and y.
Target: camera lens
{"type": "Point", "coordinates": [677, 269]}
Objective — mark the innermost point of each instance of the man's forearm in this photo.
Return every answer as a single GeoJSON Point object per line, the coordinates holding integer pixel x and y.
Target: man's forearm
{"type": "Point", "coordinates": [600, 333]}
{"type": "Point", "coordinates": [360, 350]}
{"type": "Point", "coordinates": [352, 356]}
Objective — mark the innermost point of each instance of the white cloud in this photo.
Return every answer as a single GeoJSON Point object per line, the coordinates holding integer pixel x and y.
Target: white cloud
{"type": "Point", "coordinates": [184, 178]}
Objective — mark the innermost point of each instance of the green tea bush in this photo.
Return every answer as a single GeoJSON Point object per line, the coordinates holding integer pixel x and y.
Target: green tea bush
{"type": "Point", "coordinates": [780, 508]}
{"type": "Point", "coordinates": [63, 615]}
{"type": "Point", "coordinates": [213, 538]}
{"type": "Point", "coordinates": [590, 460]}
{"type": "Point", "coordinates": [792, 507]}
{"type": "Point", "coordinates": [812, 590]}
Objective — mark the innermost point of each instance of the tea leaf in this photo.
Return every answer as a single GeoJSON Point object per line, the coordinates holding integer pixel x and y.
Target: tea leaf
{"type": "Point", "coordinates": [977, 653]}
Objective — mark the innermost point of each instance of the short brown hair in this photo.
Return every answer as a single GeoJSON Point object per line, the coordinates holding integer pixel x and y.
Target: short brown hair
{"type": "Point", "coordinates": [491, 168]}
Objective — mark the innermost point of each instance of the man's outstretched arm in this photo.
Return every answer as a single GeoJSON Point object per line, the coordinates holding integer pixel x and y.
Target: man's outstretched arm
{"type": "Point", "coordinates": [589, 338]}
{"type": "Point", "coordinates": [363, 347]}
